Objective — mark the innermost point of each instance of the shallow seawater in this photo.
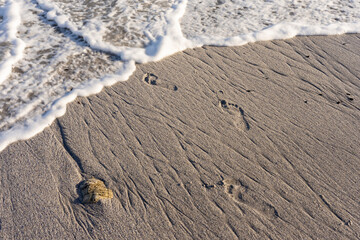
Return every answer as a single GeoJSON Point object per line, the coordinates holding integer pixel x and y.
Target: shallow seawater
{"type": "Point", "coordinates": [54, 50]}
{"type": "Point", "coordinates": [226, 18]}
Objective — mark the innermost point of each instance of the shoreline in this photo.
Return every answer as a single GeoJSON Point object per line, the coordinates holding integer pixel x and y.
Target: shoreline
{"type": "Point", "coordinates": [255, 141]}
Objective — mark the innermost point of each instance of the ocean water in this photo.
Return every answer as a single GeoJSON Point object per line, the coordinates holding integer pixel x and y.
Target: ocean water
{"type": "Point", "coordinates": [52, 51]}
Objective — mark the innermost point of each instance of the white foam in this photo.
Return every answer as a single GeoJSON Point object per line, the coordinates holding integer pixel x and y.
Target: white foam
{"type": "Point", "coordinates": [169, 42]}
{"type": "Point", "coordinates": [223, 19]}
{"type": "Point", "coordinates": [227, 23]}
{"type": "Point", "coordinates": [58, 108]}
{"type": "Point", "coordinates": [279, 31]}
{"type": "Point", "coordinates": [8, 33]}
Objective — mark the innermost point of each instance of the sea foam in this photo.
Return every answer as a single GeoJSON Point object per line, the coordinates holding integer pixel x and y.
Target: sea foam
{"type": "Point", "coordinates": [55, 50]}
{"type": "Point", "coordinates": [8, 29]}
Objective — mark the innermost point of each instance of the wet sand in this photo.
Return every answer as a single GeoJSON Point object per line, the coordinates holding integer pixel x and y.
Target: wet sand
{"type": "Point", "coordinates": [259, 141]}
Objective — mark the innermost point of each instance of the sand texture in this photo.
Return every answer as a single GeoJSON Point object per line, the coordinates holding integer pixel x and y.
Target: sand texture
{"type": "Point", "coordinates": [260, 141]}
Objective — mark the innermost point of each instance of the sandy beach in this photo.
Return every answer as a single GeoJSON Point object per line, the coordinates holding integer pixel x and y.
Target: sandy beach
{"type": "Point", "coordinates": [259, 141]}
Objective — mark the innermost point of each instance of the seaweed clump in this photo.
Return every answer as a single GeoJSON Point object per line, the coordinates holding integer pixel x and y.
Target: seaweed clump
{"type": "Point", "coordinates": [93, 190]}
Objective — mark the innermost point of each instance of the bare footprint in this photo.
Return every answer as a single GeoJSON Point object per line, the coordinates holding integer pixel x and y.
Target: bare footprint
{"type": "Point", "coordinates": [241, 193]}
{"type": "Point", "coordinates": [152, 79]}
{"type": "Point", "coordinates": [237, 112]}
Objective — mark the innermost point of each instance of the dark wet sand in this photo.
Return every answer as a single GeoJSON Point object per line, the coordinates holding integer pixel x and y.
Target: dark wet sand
{"type": "Point", "coordinates": [252, 142]}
